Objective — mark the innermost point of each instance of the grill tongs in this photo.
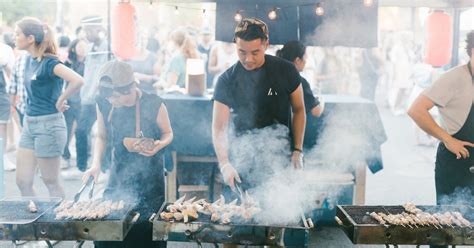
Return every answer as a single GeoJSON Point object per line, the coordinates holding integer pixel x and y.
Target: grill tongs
{"type": "Point", "coordinates": [240, 193]}
{"type": "Point", "coordinates": [91, 191]}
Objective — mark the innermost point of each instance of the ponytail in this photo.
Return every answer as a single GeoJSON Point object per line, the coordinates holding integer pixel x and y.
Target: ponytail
{"type": "Point", "coordinates": [292, 50]}
{"type": "Point", "coordinates": [42, 33]}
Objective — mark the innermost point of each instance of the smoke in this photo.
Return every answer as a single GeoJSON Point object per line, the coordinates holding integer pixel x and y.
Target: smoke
{"type": "Point", "coordinates": [346, 23]}
{"type": "Point", "coordinates": [347, 139]}
{"type": "Point", "coordinates": [460, 196]}
{"type": "Point", "coordinates": [262, 158]}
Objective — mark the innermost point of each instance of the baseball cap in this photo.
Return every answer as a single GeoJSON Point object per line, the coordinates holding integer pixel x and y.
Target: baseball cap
{"type": "Point", "coordinates": [246, 22]}
{"type": "Point", "coordinates": [115, 76]}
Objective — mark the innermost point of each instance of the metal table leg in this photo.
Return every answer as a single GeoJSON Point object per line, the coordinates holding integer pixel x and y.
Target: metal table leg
{"type": "Point", "coordinates": [50, 245]}
{"type": "Point", "coordinates": [79, 244]}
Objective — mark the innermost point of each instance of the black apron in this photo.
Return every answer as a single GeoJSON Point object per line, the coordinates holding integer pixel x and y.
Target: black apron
{"type": "Point", "coordinates": [453, 174]}
{"type": "Point", "coordinates": [134, 177]}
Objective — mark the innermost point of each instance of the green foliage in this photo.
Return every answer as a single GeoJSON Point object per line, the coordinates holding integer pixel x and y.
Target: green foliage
{"type": "Point", "coordinates": [14, 10]}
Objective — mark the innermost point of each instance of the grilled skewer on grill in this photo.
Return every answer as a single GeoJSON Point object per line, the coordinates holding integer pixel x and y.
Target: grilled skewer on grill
{"type": "Point", "coordinates": [219, 211]}
{"type": "Point", "coordinates": [415, 217]}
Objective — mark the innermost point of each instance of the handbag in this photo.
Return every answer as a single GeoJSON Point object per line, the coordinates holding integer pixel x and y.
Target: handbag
{"type": "Point", "coordinates": [139, 143]}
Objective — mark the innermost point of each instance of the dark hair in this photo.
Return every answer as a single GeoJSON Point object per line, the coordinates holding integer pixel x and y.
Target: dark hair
{"type": "Point", "coordinates": [252, 32]}
{"type": "Point", "coordinates": [44, 38]}
{"type": "Point", "coordinates": [292, 50]}
{"type": "Point", "coordinates": [470, 42]}
{"type": "Point", "coordinates": [64, 41]}
{"type": "Point", "coordinates": [72, 54]}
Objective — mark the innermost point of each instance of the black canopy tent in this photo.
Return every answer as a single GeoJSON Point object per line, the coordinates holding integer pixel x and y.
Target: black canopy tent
{"type": "Point", "coordinates": [297, 20]}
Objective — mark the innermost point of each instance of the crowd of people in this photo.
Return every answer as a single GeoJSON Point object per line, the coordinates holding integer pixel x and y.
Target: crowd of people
{"type": "Point", "coordinates": [160, 66]}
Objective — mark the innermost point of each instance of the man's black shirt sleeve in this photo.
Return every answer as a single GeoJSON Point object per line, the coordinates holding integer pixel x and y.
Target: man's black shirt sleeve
{"type": "Point", "coordinates": [222, 92]}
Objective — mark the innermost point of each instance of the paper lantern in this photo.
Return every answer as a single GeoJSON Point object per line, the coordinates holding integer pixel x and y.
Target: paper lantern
{"type": "Point", "coordinates": [439, 43]}
{"type": "Point", "coordinates": [124, 31]}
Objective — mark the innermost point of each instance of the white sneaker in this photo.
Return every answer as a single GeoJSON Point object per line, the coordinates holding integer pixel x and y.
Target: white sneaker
{"type": "Point", "coordinates": [72, 174]}
{"type": "Point", "coordinates": [8, 165]}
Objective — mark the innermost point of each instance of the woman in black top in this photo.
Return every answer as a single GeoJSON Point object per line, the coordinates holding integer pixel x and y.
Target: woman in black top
{"type": "Point", "coordinates": [44, 130]}
{"type": "Point", "coordinates": [295, 51]}
{"type": "Point", "coordinates": [125, 112]}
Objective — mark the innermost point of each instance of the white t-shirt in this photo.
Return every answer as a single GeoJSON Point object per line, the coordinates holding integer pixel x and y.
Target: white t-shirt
{"type": "Point", "coordinates": [7, 57]}
{"type": "Point", "coordinates": [453, 94]}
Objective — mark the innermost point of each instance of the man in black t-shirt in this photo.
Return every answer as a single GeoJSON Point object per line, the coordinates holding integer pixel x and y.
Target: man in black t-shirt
{"type": "Point", "coordinates": [261, 90]}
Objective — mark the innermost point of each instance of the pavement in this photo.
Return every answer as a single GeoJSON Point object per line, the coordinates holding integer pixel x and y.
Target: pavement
{"type": "Point", "coordinates": [408, 175]}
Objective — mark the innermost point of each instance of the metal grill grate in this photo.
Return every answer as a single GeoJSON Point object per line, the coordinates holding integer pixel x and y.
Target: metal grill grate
{"type": "Point", "coordinates": [360, 214]}
{"type": "Point", "coordinates": [16, 211]}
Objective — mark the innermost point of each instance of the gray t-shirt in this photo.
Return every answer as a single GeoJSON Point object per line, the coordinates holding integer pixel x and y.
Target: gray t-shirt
{"type": "Point", "coordinates": [453, 94]}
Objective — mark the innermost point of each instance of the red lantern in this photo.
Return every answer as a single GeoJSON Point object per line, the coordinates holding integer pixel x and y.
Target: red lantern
{"type": "Point", "coordinates": [439, 42]}
{"type": "Point", "coordinates": [124, 31]}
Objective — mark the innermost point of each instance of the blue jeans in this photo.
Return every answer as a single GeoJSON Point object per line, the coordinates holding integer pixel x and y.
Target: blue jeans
{"type": "Point", "coordinates": [86, 120]}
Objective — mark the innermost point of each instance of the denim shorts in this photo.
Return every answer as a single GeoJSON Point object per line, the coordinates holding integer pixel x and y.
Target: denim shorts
{"type": "Point", "coordinates": [45, 134]}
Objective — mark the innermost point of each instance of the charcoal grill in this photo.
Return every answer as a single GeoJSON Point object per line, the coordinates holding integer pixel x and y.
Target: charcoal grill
{"type": "Point", "coordinates": [114, 227]}
{"type": "Point", "coordinates": [363, 229]}
{"type": "Point", "coordinates": [205, 231]}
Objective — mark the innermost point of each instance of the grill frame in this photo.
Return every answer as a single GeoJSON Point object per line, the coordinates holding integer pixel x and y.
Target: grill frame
{"type": "Point", "coordinates": [202, 231]}
{"type": "Point", "coordinates": [113, 228]}
{"type": "Point", "coordinates": [373, 233]}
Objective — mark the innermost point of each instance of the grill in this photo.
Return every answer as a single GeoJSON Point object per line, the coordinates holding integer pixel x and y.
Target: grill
{"type": "Point", "coordinates": [204, 231]}
{"type": "Point", "coordinates": [43, 225]}
{"type": "Point", "coordinates": [363, 229]}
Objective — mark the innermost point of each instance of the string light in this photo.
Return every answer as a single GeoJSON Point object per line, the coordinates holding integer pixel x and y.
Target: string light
{"type": "Point", "coordinates": [238, 16]}
{"type": "Point", "coordinates": [368, 3]}
{"type": "Point", "coordinates": [319, 9]}
{"type": "Point", "coordinates": [176, 10]}
{"type": "Point", "coordinates": [272, 15]}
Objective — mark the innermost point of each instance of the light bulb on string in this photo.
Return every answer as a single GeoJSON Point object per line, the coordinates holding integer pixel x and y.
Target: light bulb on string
{"type": "Point", "coordinates": [368, 3]}
{"type": "Point", "coordinates": [272, 15]}
{"type": "Point", "coordinates": [176, 10]}
{"type": "Point", "coordinates": [237, 16]}
{"type": "Point", "coordinates": [319, 9]}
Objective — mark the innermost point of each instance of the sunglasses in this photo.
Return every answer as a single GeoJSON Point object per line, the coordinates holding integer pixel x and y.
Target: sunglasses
{"type": "Point", "coordinates": [107, 92]}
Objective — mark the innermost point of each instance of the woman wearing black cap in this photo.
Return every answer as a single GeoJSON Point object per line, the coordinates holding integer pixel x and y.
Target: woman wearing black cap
{"type": "Point", "coordinates": [137, 126]}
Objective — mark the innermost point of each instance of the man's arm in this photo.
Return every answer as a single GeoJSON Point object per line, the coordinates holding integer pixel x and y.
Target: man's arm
{"type": "Point", "coordinates": [220, 126]}
{"type": "Point", "coordinates": [419, 112]}
{"type": "Point", "coordinates": [299, 117]}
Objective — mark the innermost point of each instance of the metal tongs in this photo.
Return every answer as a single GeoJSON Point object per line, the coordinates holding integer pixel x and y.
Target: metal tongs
{"type": "Point", "coordinates": [91, 191]}
{"type": "Point", "coordinates": [240, 193]}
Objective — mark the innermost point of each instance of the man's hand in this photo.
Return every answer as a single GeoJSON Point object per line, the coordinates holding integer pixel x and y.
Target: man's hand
{"type": "Point", "coordinates": [230, 174]}
{"type": "Point", "coordinates": [458, 147]}
{"type": "Point", "coordinates": [94, 172]}
{"type": "Point", "coordinates": [297, 160]}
